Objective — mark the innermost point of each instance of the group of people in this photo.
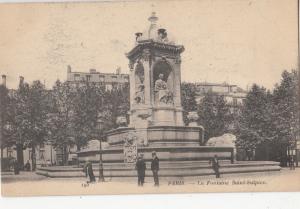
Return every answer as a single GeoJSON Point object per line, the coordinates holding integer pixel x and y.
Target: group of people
{"type": "Point", "coordinates": [140, 166]}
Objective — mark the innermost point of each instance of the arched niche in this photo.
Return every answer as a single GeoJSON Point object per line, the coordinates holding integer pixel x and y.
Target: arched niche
{"type": "Point", "coordinates": [163, 67]}
{"type": "Point", "coordinates": [163, 96]}
{"type": "Point", "coordinates": [139, 77]}
{"type": "Point", "coordinates": [139, 74]}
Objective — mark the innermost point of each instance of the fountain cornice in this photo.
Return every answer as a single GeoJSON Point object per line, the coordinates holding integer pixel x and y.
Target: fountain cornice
{"type": "Point", "coordinates": [151, 44]}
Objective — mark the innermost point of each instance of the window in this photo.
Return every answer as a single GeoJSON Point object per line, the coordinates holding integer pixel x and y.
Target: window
{"type": "Point", "coordinates": [9, 152]}
{"type": "Point", "coordinates": [115, 86]}
{"type": "Point", "coordinates": [42, 154]}
{"type": "Point", "coordinates": [88, 77]}
{"type": "Point", "coordinates": [114, 78]}
{"type": "Point", "coordinates": [234, 101]}
{"type": "Point", "coordinates": [101, 78]}
{"type": "Point", "coordinates": [108, 87]}
{"type": "Point", "coordinates": [77, 77]}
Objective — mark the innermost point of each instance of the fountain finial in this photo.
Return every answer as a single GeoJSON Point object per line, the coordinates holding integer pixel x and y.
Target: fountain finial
{"type": "Point", "coordinates": [153, 18]}
{"type": "Point", "coordinates": [152, 32]}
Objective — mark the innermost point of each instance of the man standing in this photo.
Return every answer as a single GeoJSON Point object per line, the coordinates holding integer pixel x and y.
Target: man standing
{"type": "Point", "coordinates": [16, 167]}
{"type": "Point", "coordinates": [27, 166]}
{"type": "Point", "coordinates": [216, 166]}
{"type": "Point", "coordinates": [140, 166]}
{"type": "Point", "coordinates": [88, 169]}
{"type": "Point", "coordinates": [292, 163]}
{"type": "Point", "coordinates": [155, 168]}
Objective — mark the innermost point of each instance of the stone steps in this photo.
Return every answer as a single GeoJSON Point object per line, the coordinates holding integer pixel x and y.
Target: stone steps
{"type": "Point", "coordinates": [165, 153]}
{"type": "Point", "coordinates": [176, 164]}
{"type": "Point", "coordinates": [166, 169]}
{"type": "Point", "coordinates": [156, 144]}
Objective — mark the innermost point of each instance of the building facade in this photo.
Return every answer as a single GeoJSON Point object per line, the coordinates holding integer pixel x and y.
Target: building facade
{"type": "Point", "coordinates": [233, 95]}
{"type": "Point", "coordinates": [108, 80]}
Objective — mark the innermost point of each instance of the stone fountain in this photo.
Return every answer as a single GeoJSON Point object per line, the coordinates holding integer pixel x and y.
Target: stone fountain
{"type": "Point", "coordinates": [156, 114]}
{"type": "Point", "coordinates": [156, 120]}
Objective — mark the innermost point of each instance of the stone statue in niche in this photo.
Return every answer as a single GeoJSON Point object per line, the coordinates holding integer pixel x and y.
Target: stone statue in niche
{"type": "Point", "coordinates": [161, 89]}
{"type": "Point", "coordinates": [140, 94]}
{"type": "Point", "coordinates": [140, 73]}
{"type": "Point", "coordinates": [140, 88]}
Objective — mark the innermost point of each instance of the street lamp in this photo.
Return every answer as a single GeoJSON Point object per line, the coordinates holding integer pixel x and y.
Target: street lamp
{"type": "Point", "coordinates": [100, 126]}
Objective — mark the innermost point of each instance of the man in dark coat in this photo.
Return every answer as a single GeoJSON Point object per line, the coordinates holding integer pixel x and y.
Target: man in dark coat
{"type": "Point", "coordinates": [292, 163]}
{"type": "Point", "coordinates": [88, 170]}
{"type": "Point", "coordinates": [16, 167]}
{"type": "Point", "coordinates": [216, 166]}
{"type": "Point", "coordinates": [155, 168]}
{"type": "Point", "coordinates": [140, 166]}
{"type": "Point", "coordinates": [27, 166]}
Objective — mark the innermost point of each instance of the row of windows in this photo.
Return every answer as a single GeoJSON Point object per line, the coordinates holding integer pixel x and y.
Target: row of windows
{"type": "Point", "coordinates": [77, 77]}
{"type": "Point", "coordinates": [219, 89]}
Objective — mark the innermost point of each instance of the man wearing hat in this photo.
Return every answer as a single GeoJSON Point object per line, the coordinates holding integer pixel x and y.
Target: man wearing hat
{"type": "Point", "coordinates": [140, 166]}
{"type": "Point", "coordinates": [216, 166]}
{"type": "Point", "coordinates": [89, 173]}
{"type": "Point", "coordinates": [155, 168]}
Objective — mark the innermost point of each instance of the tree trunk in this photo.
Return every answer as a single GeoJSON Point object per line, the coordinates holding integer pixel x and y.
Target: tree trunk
{"type": "Point", "coordinates": [267, 148]}
{"type": "Point", "coordinates": [2, 149]}
{"type": "Point", "coordinates": [65, 155]}
{"type": "Point", "coordinates": [78, 149]}
{"type": "Point", "coordinates": [33, 158]}
{"type": "Point", "coordinates": [20, 156]}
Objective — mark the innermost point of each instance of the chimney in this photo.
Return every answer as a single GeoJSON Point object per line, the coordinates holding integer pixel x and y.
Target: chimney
{"type": "Point", "coordinates": [92, 70]}
{"type": "Point", "coordinates": [69, 69]}
{"type": "Point", "coordinates": [21, 80]}
{"type": "Point", "coordinates": [4, 80]}
{"type": "Point", "coordinates": [118, 71]}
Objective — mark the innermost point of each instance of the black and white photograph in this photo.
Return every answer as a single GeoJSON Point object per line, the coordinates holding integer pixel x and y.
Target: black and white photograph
{"type": "Point", "coordinates": [149, 97]}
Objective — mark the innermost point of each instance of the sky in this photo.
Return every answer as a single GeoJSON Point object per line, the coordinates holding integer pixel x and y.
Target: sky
{"type": "Point", "coordinates": [235, 41]}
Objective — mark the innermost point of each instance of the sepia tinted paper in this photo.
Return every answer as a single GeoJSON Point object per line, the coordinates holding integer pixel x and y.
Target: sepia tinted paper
{"type": "Point", "coordinates": [156, 48]}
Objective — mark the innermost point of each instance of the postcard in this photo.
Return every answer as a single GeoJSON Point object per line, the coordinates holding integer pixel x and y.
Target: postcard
{"type": "Point", "coordinates": [143, 97]}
